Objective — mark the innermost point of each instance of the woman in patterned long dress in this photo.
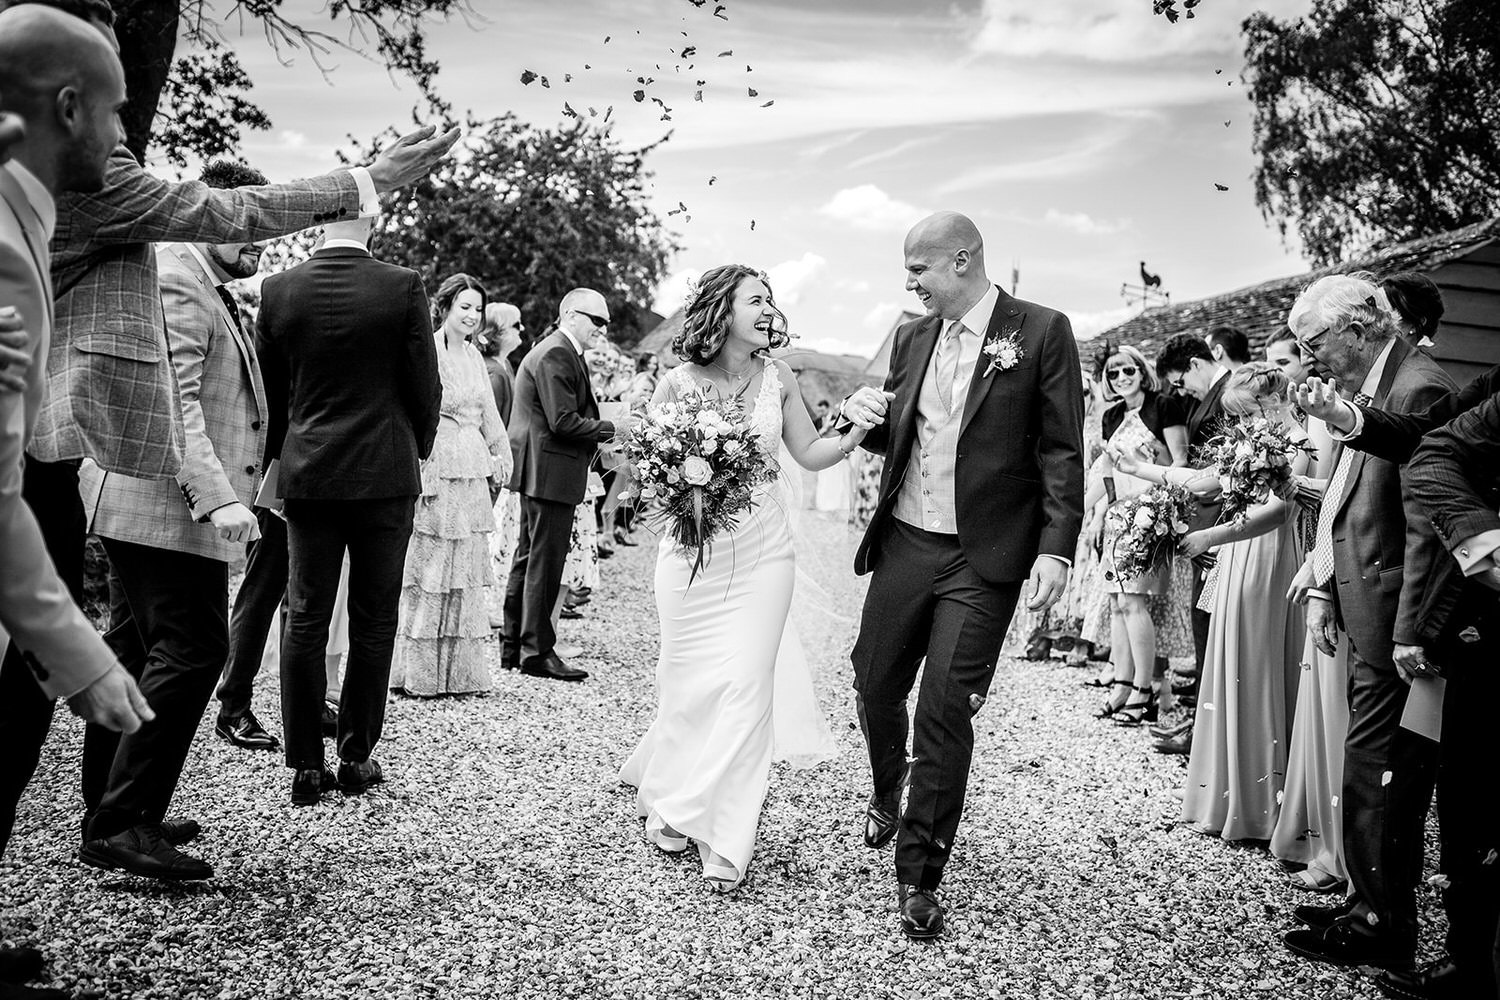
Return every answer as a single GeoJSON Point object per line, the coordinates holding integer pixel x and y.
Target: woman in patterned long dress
{"type": "Point", "coordinates": [444, 624]}
{"type": "Point", "coordinates": [733, 688]}
{"type": "Point", "coordinates": [1135, 389]}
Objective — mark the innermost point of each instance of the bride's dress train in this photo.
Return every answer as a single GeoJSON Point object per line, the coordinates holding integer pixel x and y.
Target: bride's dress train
{"type": "Point", "coordinates": [734, 687]}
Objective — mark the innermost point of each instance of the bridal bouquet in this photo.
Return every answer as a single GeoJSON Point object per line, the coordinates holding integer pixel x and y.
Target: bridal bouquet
{"type": "Point", "coordinates": [1147, 529]}
{"type": "Point", "coordinates": [1254, 457]}
{"type": "Point", "coordinates": [697, 466]}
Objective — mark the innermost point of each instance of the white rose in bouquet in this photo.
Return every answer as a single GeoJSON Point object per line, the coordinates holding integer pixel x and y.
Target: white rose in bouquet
{"type": "Point", "coordinates": [696, 472]}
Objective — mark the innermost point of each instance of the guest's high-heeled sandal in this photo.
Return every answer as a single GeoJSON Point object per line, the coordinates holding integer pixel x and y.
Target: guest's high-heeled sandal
{"type": "Point", "coordinates": [1110, 708]}
{"type": "Point", "coordinates": [1134, 712]}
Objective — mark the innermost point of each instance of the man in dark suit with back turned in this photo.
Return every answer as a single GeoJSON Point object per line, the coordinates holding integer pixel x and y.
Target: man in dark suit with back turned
{"type": "Point", "coordinates": [555, 431]}
{"type": "Point", "coordinates": [1455, 476]}
{"type": "Point", "coordinates": [1369, 563]}
{"type": "Point", "coordinates": [980, 421]}
{"type": "Point", "coordinates": [351, 368]}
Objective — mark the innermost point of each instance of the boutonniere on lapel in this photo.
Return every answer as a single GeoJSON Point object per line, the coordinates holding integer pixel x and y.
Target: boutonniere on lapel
{"type": "Point", "coordinates": [1004, 348]}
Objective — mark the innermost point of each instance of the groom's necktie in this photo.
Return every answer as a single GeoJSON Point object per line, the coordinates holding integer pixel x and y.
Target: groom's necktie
{"type": "Point", "coordinates": [946, 368]}
{"type": "Point", "coordinates": [1332, 500]}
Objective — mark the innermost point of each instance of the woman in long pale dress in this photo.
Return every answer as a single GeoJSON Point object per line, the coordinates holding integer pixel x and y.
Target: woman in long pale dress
{"type": "Point", "coordinates": [733, 688]}
{"type": "Point", "coordinates": [1309, 832]}
{"type": "Point", "coordinates": [444, 623]}
{"type": "Point", "coordinates": [1237, 769]}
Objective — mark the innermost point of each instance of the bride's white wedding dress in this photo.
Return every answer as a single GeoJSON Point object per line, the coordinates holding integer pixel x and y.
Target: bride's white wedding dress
{"type": "Point", "coordinates": [734, 689]}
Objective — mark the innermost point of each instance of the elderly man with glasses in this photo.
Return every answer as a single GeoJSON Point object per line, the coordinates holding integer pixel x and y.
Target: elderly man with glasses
{"type": "Point", "coordinates": [1365, 577]}
{"type": "Point", "coordinates": [555, 431]}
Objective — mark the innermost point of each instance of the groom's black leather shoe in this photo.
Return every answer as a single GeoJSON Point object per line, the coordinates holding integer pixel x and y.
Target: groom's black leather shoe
{"type": "Point", "coordinates": [550, 666]}
{"type": "Point", "coordinates": [245, 732]}
{"type": "Point", "coordinates": [309, 785]}
{"type": "Point", "coordinates": [355, 778]}
{"type": "Point", "coordinates": [882, 819]}
{"type": "Point", "coordinates": [1438, 981]}
{"type": "Point", "coordinates": [921, 916]}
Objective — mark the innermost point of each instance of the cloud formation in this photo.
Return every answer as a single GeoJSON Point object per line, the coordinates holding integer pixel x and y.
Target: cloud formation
{"type": "Point", "coordinates": [791, 277]}
{"type": "Point", "coordinates": [870, 208]}
{"type": "Point", "coordinates": [1084, 224]}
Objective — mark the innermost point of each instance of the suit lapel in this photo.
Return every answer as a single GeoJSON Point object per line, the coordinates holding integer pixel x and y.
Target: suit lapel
{"type": "Point", "coordinates": [1007, 314]}
{"type": "Point", "coordinates": [235, 331]}
{"type": "Point", "coordinates": [1399, 350]}
{"type": "Point", "coordinates": [919, 357]}
{"type": "Point", "coordinates": [1205, 407]}
{"type": "Point", "coordinates": [31, 230]}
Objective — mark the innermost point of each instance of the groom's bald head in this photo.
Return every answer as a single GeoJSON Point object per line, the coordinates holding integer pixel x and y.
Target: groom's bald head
{"type": "Point", "coordinates": [945, 264]}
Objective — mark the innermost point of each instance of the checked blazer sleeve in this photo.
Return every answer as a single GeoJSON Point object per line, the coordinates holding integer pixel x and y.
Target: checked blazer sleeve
{"type": "Point", "coordinates": [190, 328]}
{"type": "Point", "coordinates": [111, 394]}
{"type": "Point", "coordinates": [1454, 476]}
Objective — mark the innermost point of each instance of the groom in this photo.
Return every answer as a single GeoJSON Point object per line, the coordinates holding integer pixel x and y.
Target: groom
{"type": "Point", "coordinates": [982, 492]}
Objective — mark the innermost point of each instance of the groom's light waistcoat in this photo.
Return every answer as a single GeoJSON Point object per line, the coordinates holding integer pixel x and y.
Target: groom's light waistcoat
{"type": "Point", "coordinates": [926, 497]}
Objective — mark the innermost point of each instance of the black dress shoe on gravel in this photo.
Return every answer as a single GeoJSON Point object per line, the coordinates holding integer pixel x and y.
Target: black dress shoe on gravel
{"type": "Point", "coordinates": [143, 851]}
{"type": "Point", "coordinates": [330, 721]}
{"type": "Point", "coordinates": [550, 666]}
{"type": "Point", "coordinates": [357, 778]}
{"type": "Point", "coordinates": [180, 831]}
{"type": "Point", "coordinates": [310, 784]}
{"type": "Point", "coordinates": [921, 916]}
{"type": "Point", "coordinates": [19, 964]}
{"type": "Point", "coordinates": [1181, 744]}
{"type": "Point", "coordinates": [14, 991]}
{"type": "Point", "coordinates": [1321, 917]}
{"type": "Point", "coordinates": [1343, 943]}
{"type": "Point", "coordinates": [245, 732]}
{"type": "Point", "coordinates": [1441, 980]}
{"type": "Point", "coordinates": [882, 820]}
{"type": "Point", "coordinates": [569, 613]}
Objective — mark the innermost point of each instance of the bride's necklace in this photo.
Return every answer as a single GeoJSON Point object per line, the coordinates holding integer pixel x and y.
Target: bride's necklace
{"type": "Point", "coordinates": [738, 381]}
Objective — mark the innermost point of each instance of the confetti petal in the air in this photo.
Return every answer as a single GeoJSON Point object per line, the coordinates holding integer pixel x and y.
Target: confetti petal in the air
{"type": "Point", "coordinates": [768, 104]}
{"type": "Point", "coordinates": [526, 77]}
{"type": "Point", "coordinates": [568, 110]}
{"type": "Point", "coordinates": [748, 69]}
{"type": "Point", "coordinates": [639, 95]}
{"type": "Point", "coordinates": [726, 52]}
{"type": "Point", "coordinates": [1220, 187]}
{"type": "Point", "coordinates": [752, 225]}
{"type": "Point", "coordinates": [1226, 124]}
{"type": "Point", "coordinates": [1217, 72]}
{"type": "Point", "coordinates": [753, 92]}
{"type": "Point", "coordinates": [606, 39]}
{"type": "Point", "coordinates": [698, 95]}
{"type": "Point", "coordinates": [593, 113]}
{"type": "Point", "coordinates": [688, 50]}
{"type": "Point", "coordinates": [719, 12]}
{"type": "Point", "coordinates": [712, 179]}
{"type": "Point", "coordinates": [544, 82]}
{"type": "Point", "coordinates": [567, 78]}
{"type": "Point", "coordinates": [609, 111]}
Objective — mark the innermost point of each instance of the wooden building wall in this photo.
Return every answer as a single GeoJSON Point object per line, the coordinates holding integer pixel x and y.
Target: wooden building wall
{"type": "Point", "coordinates": [1468, 339]}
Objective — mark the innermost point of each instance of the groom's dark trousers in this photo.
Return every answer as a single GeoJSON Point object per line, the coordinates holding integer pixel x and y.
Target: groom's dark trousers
{"type": "Point", "coordinates": [938, 608]}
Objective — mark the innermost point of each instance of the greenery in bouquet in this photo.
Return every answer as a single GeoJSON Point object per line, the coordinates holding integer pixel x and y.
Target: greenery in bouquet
{"type": "Point", "coordinates": [697, 466]}
{"type": "Point", "coordinates": [1254, 457]}
{"type": "Point", "coordinates": [1147, 528]}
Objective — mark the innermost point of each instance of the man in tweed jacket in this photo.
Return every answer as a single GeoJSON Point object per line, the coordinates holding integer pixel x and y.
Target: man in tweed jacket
{"type": "Point", "coordinates": [170, 543]}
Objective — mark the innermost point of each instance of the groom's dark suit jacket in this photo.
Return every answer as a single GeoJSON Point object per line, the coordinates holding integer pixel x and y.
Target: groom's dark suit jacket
{"type": "Point", "coordinates": [1019, 470]}
{"type": "Point", "coordinates": [351, 376]}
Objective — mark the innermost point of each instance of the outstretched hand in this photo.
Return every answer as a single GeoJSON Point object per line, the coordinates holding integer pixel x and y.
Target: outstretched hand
{"type": "Point", "coordinates": [1321, 399]}
{"type": "Point", "coordinates": [411, 157]}
{"type": "Point", "coordinates": [1048, 580]}
{"type": "Point", "coordinates": [114, 701]}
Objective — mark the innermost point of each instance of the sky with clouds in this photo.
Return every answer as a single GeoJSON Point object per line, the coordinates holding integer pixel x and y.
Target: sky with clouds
{"type": "Point", "coordinates": [1083, 136]}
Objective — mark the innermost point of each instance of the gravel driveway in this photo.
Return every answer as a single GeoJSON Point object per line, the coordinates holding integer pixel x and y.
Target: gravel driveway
{"type": "Point", "coordinates": [502, 859]}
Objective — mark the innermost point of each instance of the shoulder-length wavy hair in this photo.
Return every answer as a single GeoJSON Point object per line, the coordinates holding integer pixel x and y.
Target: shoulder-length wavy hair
{"type": "Point", "coordinates": [448, 291]}
{"type": "Point", "coordinates": [705, 321]}
{"type": "Point", "coordinates": [1150, 381]}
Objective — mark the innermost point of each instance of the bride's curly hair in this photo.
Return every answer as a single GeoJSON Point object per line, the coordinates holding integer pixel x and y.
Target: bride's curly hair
{"type": "Point", "coordinates": [710, 306]}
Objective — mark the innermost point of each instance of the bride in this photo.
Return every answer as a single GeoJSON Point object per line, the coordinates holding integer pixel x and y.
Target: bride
{"type": "Point", "coordinates": [733, 687]}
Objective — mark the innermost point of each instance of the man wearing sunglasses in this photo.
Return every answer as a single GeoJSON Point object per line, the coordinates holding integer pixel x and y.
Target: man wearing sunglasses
{"type": "Point", "coordinates": [555, 432]}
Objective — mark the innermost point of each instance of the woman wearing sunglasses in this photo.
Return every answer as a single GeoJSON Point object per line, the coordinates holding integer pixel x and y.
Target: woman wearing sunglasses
{"type": "Point", "coordinates": [1136, 392]}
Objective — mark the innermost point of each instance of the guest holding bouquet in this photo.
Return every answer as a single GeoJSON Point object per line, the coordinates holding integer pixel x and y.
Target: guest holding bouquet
{"type": "Point", "coordinates": [733, 687]}
{"type": "Point", "coordinates": [1248, 690]}
{"type": "Point", "coordinates": [444, 623]}
{"type": "Point", "coordinates": [1141, 417]}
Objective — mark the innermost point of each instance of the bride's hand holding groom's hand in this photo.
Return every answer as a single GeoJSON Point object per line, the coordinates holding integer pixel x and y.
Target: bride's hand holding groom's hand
{"type": "Point", "coordinates": [866, 407]}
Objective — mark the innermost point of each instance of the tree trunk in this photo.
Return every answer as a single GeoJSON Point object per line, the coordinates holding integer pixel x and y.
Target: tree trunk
{"type": "Point", "coordinates": [147, 30]}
